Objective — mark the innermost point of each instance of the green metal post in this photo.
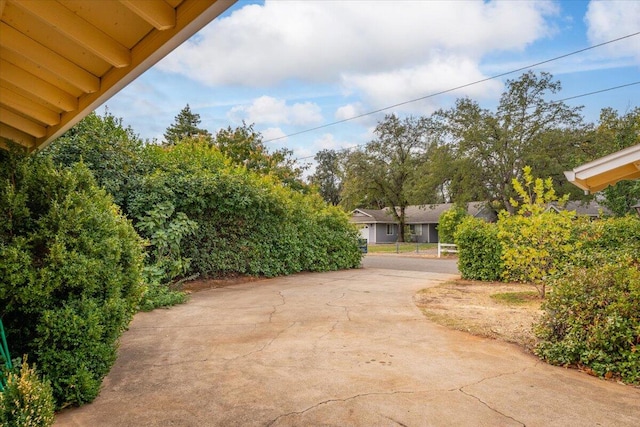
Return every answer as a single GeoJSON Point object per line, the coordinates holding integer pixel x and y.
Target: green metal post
{"type": "Point", "coordinates": [4, 352]}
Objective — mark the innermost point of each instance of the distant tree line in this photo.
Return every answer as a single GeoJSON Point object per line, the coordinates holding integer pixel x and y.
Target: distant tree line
{"type": "Point", "coordinates": [469, 153]}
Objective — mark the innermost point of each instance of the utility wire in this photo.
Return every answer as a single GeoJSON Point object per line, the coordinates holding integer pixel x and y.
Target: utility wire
{"type": "Point", "coordinates": [452, 89]}
{"type": "Point", "coordinates": [552, 102]}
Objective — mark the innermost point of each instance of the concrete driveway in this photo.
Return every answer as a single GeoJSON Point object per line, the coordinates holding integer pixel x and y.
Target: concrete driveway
{"type": "Point", "coordinates": [335, 349]}
{"type": "Point", "coordinates": [411, 262]}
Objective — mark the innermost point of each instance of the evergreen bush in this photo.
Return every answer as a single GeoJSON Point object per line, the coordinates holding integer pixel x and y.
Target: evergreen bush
{"type": "Point", "coordinates": [592, 320]}
{"type": "Point", "coordinates": [449, 221]}
{"type": "Point", "coordinates": [71, 268]}
{"type": "Point", "coordinates": [479, 250]}
{"type": "Point", "coordinates": [27, 400]}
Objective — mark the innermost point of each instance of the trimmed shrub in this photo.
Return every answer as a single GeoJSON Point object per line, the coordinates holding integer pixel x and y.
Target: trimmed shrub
{"type": "Point", "coordinates": [592, 319]}
{"type": "Point", "coordinates": [449, 221]}
{"type": "Point", "coordinates": [27, 400]}
{"type": "Point", "coordinates": [71, 268]}
{"type": "Point", "coordinates": [479, 250]}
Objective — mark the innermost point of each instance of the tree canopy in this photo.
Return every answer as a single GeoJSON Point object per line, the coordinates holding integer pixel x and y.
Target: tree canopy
{"type": "Point", "coordinates": [328, 175]}
{"type": "Point", "coordinates": [244, 147]}
{"type": "Point", "coordinates": [384, 172]}
{"type": "Point", "coordinates": [185, 126]}
{"type": "Point", "coordinates": [470, 153]}
{"type": "Point", "coordinates": [495, 146]}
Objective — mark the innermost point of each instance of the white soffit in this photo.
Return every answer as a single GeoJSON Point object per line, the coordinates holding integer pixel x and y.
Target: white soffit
{"type": "Point", "coordinates": [605, 171]}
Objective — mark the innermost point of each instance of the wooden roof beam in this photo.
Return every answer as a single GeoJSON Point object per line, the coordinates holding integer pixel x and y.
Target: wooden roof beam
{"type": "Point", "coordinates": [156, 12]}
{"type": "Point", "coordinates": [80, 31]}
{"type": "Point", "coordinates": [15, 135]}
{"type": "Point", "coordinates": [38, 87]}
{"type": "Point", "coordinates": [22, 124]}
{"type": "Point", "coordinates": [28, 107]}
{"type": "Point", "coordinates": [60, 66]}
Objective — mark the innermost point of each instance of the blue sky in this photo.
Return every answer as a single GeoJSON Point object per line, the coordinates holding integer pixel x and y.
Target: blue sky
{"type": "Point", "coordinates": [289, 66]}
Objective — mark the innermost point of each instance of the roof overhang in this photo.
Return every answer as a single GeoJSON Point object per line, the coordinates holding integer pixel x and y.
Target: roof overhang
{"type": "Point", "coordinates": [603, 172]}
{"type": "Point", "coordinates": [62, 59]}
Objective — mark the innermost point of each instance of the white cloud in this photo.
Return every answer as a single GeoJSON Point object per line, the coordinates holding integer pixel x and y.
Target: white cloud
{"type": "Point", "coordinates": [608, 20]}
{"type": "Point", "coordinates": [349, 111]}
{"type": "Point", "coordinates": [318, 41]}
{"type": "Point", "coordinates": [401, 85]}
{"type": "Point", "coordinates": [271, 134]}
{"type": "Point", "coordinates": [269, 110]}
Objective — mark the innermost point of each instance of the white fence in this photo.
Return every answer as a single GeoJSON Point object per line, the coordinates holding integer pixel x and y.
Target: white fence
{"type": "Point", "coordinates": [446, 247]}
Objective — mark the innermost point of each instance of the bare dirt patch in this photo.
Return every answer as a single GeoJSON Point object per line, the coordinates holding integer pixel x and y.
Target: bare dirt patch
{"type": "Point", "coordinates": [489, 309]}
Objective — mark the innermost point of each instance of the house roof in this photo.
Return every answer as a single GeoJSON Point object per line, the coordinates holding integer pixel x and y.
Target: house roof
{"type": "Point", "coordinates": [430, 214]}
{"type": "Point", "coordinates": [592, 208]}
{"type": "Point", "coordinates": [605, 171]}
{"type": "Point", "coordinates": [417, 214]}
{"type": "Point", "coordinates": [61, 59]}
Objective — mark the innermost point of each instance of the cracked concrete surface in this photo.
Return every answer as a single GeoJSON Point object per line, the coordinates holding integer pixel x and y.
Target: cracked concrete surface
{"type": "Point", "coordinates": [334, 349]}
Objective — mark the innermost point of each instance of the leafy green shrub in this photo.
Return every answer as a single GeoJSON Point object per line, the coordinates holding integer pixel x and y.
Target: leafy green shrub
{"type": "Point", "coordinates": [27, 400]}
{"type": "Point", "coordinates": [535, 247]}
{"type": "Point", "coordinates": [535, 242]}
{"type": "Point", "coordinates": [607, 240]}
{"type": "Point", "coordinates": [479, 250]}
{"type": "Point", "coordinates": [165, 234]}
{"type": "Point", "coordinates": [158, 295]}
{"type": "Point", "coordinates": [592, 319]}
{"type": "Point", "coordinates": [247, 223]}
{"type": "Point", "coordinates": [449, 221]}
{"type": "Point", "coordinates": [71, 268]}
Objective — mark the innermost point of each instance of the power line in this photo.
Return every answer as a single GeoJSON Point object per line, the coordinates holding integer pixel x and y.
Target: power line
{"type": "Point", "coordinates": [595, 92]}
{"type": "Point", "coordinates": [369, 113]}
{"type": "Point", "coordinates": [582, 95]}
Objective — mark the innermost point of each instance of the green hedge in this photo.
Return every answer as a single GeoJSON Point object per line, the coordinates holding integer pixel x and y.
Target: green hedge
{"type": "Point", "coordinates": [592, 317]}
{"type": "Point", "coordinates": [246, 223]}
{"type": "Point", "coordinates": [479, 250]}
{"type": "Point", "coordinates": [71, 268]}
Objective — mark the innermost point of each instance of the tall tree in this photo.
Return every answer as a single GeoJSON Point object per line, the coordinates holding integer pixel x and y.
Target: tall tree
{"type": "Point", "coordinates": [328, 175]}
{"type": "Point", "coordinates": [385, 170]}
{"type": "Point", "coordinates": [185, 125]}
{"type": "Point", "coordinates": [499, 144]}
{"type": "Point", "coordinates": [245, 147]}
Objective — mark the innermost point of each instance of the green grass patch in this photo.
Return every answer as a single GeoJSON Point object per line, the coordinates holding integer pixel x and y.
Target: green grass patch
{"type": "Point", "coordinates": [516, 297]}
{"type": "Point", "coordinates": [392, 248]}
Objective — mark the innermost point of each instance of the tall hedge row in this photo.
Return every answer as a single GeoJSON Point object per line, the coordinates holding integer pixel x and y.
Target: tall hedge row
{"type": "Point", "coordinates": [72, 266]}
{"type": "Point", "coordinates": [71, 272]}
{"type": "Point", "coordinates": [247, 223]}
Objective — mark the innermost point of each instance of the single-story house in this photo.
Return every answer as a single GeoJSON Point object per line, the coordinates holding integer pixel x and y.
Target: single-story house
{"type": "Point", "coordinates": [379, 226]}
